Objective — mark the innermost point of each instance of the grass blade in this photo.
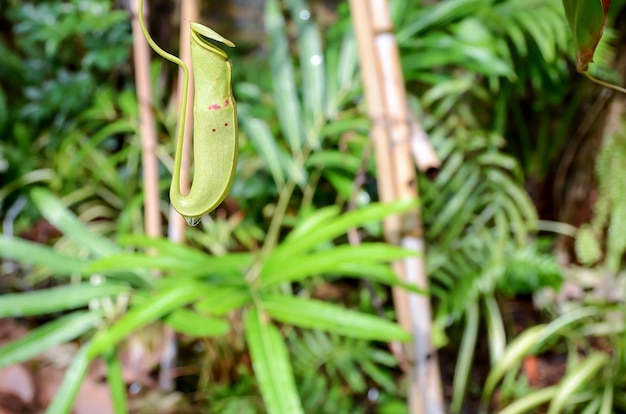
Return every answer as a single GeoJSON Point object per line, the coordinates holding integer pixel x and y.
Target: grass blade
{"type": "Point", "coordinates": [335, 228]}
{"type": "Point", "coordinates": [266, 146]}
{"type": "Point", "coordinates": [47, 336]}
{"type": "Point", "coordinates": [192, 323]}
{"type": "Point", "coordinates": [465, 358]}
{"type": "Point", "coordinates": [513, 355]}
{"type": "Point", "coordinates": [74, 376]}
{"type": "Point", "coordinates": [582, 374]}
{"type": "Point", "coordinates": [55, 299]}
{"type": "Point", "coordinates": [284, 84]}
{"type": "Point", "coordinates": [329, 261]}
{"type": "Point", "coordinates": [271, 365]}
{"type": "Point", "coordinates": [528, 402]}
{"type": "Point", "coordinates": [223, 299]}
{"type": "Point", "coordinates": [64, 220]}
{"type": "Point", "coordinates": [116, 382]}
{"type": "Point", "coordinates": [149, 311]}
{"type": "Point", "coordinates": [28, 252]}
{"type": "Point", "coordinates": [311, 66]}
{"type": "Point", "coordinates": [315, 314]}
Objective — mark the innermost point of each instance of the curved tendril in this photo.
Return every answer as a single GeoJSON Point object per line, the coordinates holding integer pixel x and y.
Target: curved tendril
{"type": "Point", "coordinates": [183, 105]}
{"type": "Point", "coordinates": [603, 83]}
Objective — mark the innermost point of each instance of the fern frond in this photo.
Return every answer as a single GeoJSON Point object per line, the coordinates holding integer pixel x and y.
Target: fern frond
{"type": "Point", "coordinates": [332, 370]}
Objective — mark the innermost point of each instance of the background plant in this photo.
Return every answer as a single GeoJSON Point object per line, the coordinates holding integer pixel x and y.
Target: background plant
{"type": "Point", "coordinates": [495, 109]}
{"type": "Point", "coordinates": [165, 295]}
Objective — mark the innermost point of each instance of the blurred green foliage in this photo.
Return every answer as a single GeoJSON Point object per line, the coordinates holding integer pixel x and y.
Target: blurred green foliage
{"type": "Point", "coordinates": [486, 79]}
{"type": "Point", "coordinates": [60, 59]}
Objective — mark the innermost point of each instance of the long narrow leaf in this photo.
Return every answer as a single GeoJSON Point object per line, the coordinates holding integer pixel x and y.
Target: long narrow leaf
{"type": "Point", "coordinates": [47, 336]}
{"type": "Point", "coordinates": [334, 228]}
{"type": "Point", "coordinates": [116, 382]}
{"type": "Point", "coordinates": [319, 217]}
{"type": "Point", "coordinates": [496, 336]}
{"type": "Point", "coordinates": [165, 302]}
{"type": "Point", "coordinates": [64, 220]}
{"type": "Point", "coordinates": [37, 254]}
{"type": "Point", "coordinates": [271, 365]}
{"type": "Point", "coordinates": [265, 143]}
{"type": "Point", "coordinates": [164, 246]}
{"type": "Point", "coordinates": [74, 376]}
{"type": "Point", "coordinates": [380, 273]}
{"type": "Point", "coordinates": [314, 314]}
{"type": "Point", "coordinates": [299, 267]}
{"type": "Point", "coordinates": [566, 319]}
{"type": "Point", "coordinates": [586, 19]}
{"type": "Point", "coordinates": [192, 323]}
{"type": "Point", "coordinates": [284, 88]}
{"type": "Point", "coordinates": [465, 357]}
{"type": "Point", "coordinates": [533, 400]}
{"type": "Point", "coordinates": [57, 299]}
{"type": "Point", "coordinates": [583, 373]}
{"type": "Point", "coordinates": [311, 66]}
{"type": "Point", "coordinates": [519, 347]}
{"type": "Point", "coordinates": [223, 299]}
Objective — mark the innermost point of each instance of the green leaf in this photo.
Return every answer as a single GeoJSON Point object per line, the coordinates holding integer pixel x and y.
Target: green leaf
{"type": "Point", "coordinates": [586, 19]}
{"type": "Point", "coordinates": [74, 376]}
{"type": "Point", "coordinates": [334, 159]}
{"type": "Point", "coordinates": [37, 254]}
{"type": "Point", "coordinates": [301, 242]}
{"type": "Point", "coordinates": [583, 373]}
{"type": "Point", "coordinates": [587, 247]}
{"type": "Point", "coordinates": [319, 217]}
{"type": "Point", "coordinates": [563, 321]}
{"type": "Point", "coordinates": [57, 299]}
{"type": "Point", "coordinates": [284, 84]}
{"type": "Point", "coordinates": [381, 273]}
{"type": "Point", "coordinates": [64, 220]}
{"type": "Point", "coordinates": [163, 303]}
{"type": "Point", "coordinates": [311, 65]}
{"type": "Point", "coordinates": [528, 402]}
{"type": "Point", "coordinates": [271, 365]}
{"type": "Point", "coordinates": [520, 346]}
{"type": "Point", "coordinates": [230, 265]}
{"type": "Point", "coordinates": [266, 146]}
{"type": "Point", "coordinates": [164, 246]}
{"type": "Point", "coordinates": [192, 323]}
{"type": "Point", "coordinates": [58, 331]}
{"type": "Point", "coordinates": [223, 299]}
{"type": "Point", "coordinates": [440, 14]}
{"type": "Point", "coordinates": [115, 380]}
{"type": "Point", "coordinates": [314, 314]}
{"type": "Point", "coordinates": [327, 261]}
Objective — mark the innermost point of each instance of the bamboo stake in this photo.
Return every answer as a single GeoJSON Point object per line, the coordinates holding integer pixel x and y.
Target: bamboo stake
{"type": "Point", "coordinates": [393, 130]}
{"type": "Point", "coordinates": [423, 153]}
{"type": "Point", "coordinates": [147, 128]}
{"type": "Point", "coordinates": [189, 12]}
{"type": "Point", "coordinates": [150, 171]}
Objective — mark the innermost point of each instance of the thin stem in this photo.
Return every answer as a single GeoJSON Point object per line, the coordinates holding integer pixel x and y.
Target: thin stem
{"type": "Point", "coordinates": [277, 218]}
{"type": "Point", "coordinates": [309, 191]}
{"type": "Point", "coordinates": [273, 233]}
{"type": "Point", "coordinates": [281, 207]}
{"type": "Point", "coordinates": [603, 83]}
{"type": "Point", "coordinates": [183, 104]}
